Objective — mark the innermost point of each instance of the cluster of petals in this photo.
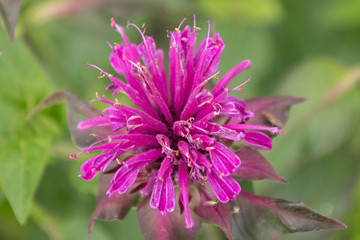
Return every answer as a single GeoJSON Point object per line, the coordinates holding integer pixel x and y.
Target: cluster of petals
{"type": "Point", "coordinates": [177, 134]}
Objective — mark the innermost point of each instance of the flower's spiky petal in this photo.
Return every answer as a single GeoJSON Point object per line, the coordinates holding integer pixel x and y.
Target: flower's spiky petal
{"type": "Point", "coordinates": [258, 139]}
{"type": "Point", "coordinates": [163, 195]}
{"type": "Point", "coordinates": [211, 210]}
{"type": "Point", "coordinates": [254, 166]}
{"type": "Point", "coordinates": [224, 187]}
{"type": "Point", "coordinates": [181, 66]}
{"type": "Point", "coordinates": [171, 226]}
{"type": "Point", "coordinates": [152, 60]}
{"type": "Point", "coordinates": [278, 217]}
{"type": "Point", "coordinates": [224, 161]}
{"type": "Point", "coordinates": [207, 58]}
{"type": "Point", "coordinates": [184, 185]}
{"type": "Point", "coordinates": [235, 108]}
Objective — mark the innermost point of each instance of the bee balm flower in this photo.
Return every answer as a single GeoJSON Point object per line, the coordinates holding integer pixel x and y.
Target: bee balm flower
{"type": "Point", "coordinates": [173, 147]}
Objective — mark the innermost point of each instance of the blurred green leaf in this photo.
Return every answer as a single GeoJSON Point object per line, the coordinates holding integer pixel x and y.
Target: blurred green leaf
{"type": "Point", "coordinates": [24, 145]}
{"type": "Point", "coordinates": [255, 12]}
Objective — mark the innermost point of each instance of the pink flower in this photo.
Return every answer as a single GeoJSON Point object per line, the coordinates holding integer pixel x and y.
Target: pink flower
{"type": "Point", "coordinates": [173, 147]}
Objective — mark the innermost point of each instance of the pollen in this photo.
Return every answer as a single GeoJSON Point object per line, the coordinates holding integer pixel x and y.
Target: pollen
{"type": "Point", "coordinates": [209, 148]}
{"type": "Point", "coordinates": [101, 75]}
{"type": "Point", "coordinates": [191, 120]}
{"type": "Point", "coordinates": [118, 161]}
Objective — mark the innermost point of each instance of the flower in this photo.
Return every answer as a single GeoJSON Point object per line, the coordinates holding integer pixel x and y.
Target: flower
{"type": "Point", "coordinates": [175, 143]}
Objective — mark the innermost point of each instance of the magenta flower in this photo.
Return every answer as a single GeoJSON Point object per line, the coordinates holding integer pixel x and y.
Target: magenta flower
{"type": "Point", "coordinates": [173, 147]}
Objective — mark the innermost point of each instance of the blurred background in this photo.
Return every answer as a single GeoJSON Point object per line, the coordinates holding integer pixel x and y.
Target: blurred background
{"type": "Point", "coordinates": [306, 48]}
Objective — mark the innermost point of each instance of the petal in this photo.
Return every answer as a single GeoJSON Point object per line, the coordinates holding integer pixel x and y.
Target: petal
{"type": "Point", "coordinates": [258, 139]}
{"type": "Point", "coordinates": [224, 160]}
{"type": "Point", "coordinates": [184, 185]}
{"type": "Point", "coordinates": [224, 187]}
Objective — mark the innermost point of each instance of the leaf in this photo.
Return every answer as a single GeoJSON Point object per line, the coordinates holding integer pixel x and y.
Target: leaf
{"type": "Point", "coordinates": [271, 111]}
{"type": "Point", "coordinates": [77, 111]}
{"type": "Point", "coordinates": [168, 227]}
{"type": "Point", "coordinates": [24, 144]}
{"type": "Point", "coordinates": [21, 167]}
{"type": "Point", "coordinates": [215, 212]}
{"type": "Point", "coordinates": [9, 10]}
{"type": "Point", "coordinates": [254, 166]}
{"type": "Point", "coordinates": [110, 208]}
{"type": "Point", "coordinates": [261, 218]}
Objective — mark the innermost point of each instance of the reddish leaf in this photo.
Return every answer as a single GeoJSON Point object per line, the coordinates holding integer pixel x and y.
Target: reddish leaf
{"type": "Point", "coordinates": [215, 212]}
{"type": "Point", "coordinates": [9, 10]}
{"type": "Point", "coordinates": [254, 166]}
{"type": "Point", "coordinates": [77, 111]}
{"type": "Point", "coordinates": [261, 218]}
{"type": "Point", "coordinates": [271, 111]}
{"type": "Point", "coordinates": [110, 208]}
{"type": "Point", "coordinates": [168, 227]}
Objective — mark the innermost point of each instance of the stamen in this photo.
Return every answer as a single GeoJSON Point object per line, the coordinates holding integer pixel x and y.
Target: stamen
{"type": "Point", "coordinates": [101, 75]}
{"type": "Point", "coordinates": [241, 86]}
{"type": "Point", "coordinates": [117, 104]}
{"type": "Point", "coordinates": [141, 33]}
{"type": "Point", "coordinates": [109, 44]}
{"type": "Point", "coordinates": [181, 23]}
{"type": "Point", "coordinates": [212, 203]}
{"type": "Point", "coordinates": [118, 161]}
{"type": "Point", "coordinates": [209, 148]}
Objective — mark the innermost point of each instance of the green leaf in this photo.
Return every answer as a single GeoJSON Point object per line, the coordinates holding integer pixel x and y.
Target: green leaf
{"type": "Point", "coordinates": [24, 144]}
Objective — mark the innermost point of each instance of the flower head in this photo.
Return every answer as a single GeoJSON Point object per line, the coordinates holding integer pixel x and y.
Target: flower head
{"type": "Point", "coordinates": [176, 140]}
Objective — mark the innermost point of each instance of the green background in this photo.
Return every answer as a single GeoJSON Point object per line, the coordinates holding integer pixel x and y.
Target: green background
{"type": "Point", "coordinates": [304, 48]}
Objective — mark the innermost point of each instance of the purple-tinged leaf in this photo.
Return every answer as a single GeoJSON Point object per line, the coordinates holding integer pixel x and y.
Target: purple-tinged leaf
{"type": "Point", "coordinates": [110, 208]}
{"type": "Point", "coordinates": [171, 226]}
{"type": "Point", "coordinates": [254, 166]}
{"type": "Point", "coordinates": [77, 111]}
{"type": "Point", "coordinates": [9, 10]}
{"type": "Point", "coordinates": [261, 218]}
{"type": "Point", "coordinates": [211, 210]}
{"type": "Point", "coordinates": [271, 111]}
